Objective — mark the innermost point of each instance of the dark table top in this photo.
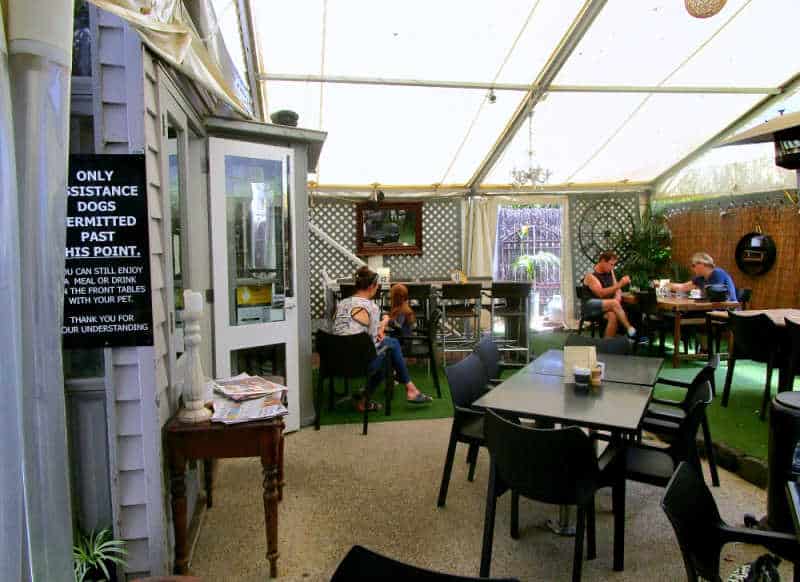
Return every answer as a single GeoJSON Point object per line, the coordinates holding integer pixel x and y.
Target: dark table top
{"type": "Point", "coordinates": [793, 494]}
{"type": "Point", "coordinates": [612, 406]}
{"type": "Point", "coordinates": [623, 369]}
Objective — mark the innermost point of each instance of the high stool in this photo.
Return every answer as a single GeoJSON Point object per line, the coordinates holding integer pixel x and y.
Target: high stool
{"type": "Point", "coordinates": [510, 300]}
{"type": "Point", "coordinates": [461, 303]}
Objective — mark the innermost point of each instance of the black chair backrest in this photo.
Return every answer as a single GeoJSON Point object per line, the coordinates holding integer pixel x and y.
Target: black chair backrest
{"type": "Point", "coordinates": [418, 291]}
{"type": "Point", "coordinates": [361, 564]}
{"type": "Point", "coordinates": [684, 447]}
{"type": "Point", "coordinates": [606, 345]}
{"type": "Point", "coordinates": [346, 356]}
{"type": "Point", "coordinates": [647, 301]}
{"type": "Point", "coordinates": [580, 292]}
{"type": "Point", "coordinates": [463, 291]}
{"type": "Point", "coordinates": [695, 392]}
{"type": "Point", "coordinates": [793, 330]}
{"type": "Point", "coordinates": [744, 296]}
{"type": "Point", "coordinates": [754, 336]}
{"type": "Point", "coordinates": [693, 513]}
{"type": "Point", "coordinates": [556, 466]}
{"type": "Point", "coordinates": [511, 289]}
{"type": "Point", "coordinates": [346, 290]}
{"type": "Point", "coordinates": [487, 351]}
{"type": "Point", "coordinates": [467, 380]}
{"type": "Point", "coordinates": [432, 325]}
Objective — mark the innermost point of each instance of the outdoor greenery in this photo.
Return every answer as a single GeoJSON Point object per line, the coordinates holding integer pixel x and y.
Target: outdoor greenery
{"type": "Point", "coordinates": [94, 555]}
{"type": "Point", "coordinates": [535, 262]}
{"type": "Point", "coordinates": [647, 252]}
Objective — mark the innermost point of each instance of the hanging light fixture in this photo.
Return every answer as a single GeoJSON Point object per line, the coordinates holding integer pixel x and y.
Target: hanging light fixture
{"type": "Point", "coordinates": [704, 8]}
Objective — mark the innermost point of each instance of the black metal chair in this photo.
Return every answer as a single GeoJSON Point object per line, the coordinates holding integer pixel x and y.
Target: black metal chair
{"type": "Point", "coordinates": [346, 290]}
{"type": "Point", "coordinates": [663, 417]}
{"type": "Point", "coordinates": [597, 322]}
{"type": "Point", "coordinates": [421, 344]}
{"type": "Point", "coordinates": [755, 337]}
{"type": "Point", "coordinates": [420, 297]}
{"type": "Point", "coordinates": [361, 564]}
{"type": "Point", "coordinates": [348, 357]}
{"type": "Point", "coordinates": [792, 359]}
{"type": "Point", "coordinates": [461, 303]}
{"type": "Point", "coordinates": [608, 345]}
{"type": "Point", "coordinates": [655, 465]}
{"type": "Point", "coordinates": [702, 533]}
{"type": "Point", "coordinates": [467, 380]}
{"type": "Point", "coordinates": [556, 466]}
{"type": "Point", "coordinates": [510, 300]}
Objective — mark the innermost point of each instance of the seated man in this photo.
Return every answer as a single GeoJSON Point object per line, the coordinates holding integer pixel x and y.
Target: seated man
{"type": "Point", "coordinates": [707, 274]}
{"type": "Point", "coordinates": [607, 295]}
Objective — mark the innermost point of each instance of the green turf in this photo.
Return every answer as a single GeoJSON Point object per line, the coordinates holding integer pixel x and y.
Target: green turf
{"type": "Point", "coordinates": [738, 425]}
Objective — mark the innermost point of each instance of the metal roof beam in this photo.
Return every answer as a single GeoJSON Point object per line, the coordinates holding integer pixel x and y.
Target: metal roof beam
{"type": "Point", "coordinates": [790, 86]}
{"type": "Point", "coordinates": [485, 86]}
{"type": "Point", "coordinates": [540, 86]}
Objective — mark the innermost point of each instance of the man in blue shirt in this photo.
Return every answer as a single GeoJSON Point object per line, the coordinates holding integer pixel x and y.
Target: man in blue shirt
{"type": "Point", "coordinates": [706, 273]}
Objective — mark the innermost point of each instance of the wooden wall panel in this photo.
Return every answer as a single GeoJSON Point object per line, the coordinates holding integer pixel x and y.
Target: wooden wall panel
{"type": "Point", "coordinates": [709, 231]}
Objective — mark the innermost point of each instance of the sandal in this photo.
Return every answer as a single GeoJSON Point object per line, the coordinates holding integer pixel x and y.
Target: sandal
{"type": "Point", "coordinates": [372, 406]}
{"type": "Point", "coordinates": [420, 398]}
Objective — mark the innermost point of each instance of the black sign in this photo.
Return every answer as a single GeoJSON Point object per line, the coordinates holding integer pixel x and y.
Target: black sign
{"type": "Point", "coordinates": [755, 253]}
{"type": "Point", "coordinates": [107, 277]}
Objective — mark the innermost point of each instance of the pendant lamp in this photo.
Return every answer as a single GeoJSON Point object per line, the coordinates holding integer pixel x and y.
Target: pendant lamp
{"type": "Point", "coordinates": [704, 8]}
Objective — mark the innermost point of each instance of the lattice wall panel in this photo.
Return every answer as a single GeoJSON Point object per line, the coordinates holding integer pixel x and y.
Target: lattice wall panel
{"type": "Point", "coordinates": [441, 245]}
{"type": "Point", "coordinates": [595, 221]}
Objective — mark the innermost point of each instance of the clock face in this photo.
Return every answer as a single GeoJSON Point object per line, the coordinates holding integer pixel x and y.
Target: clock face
{"type": "Point", "coordinates": [602, 226]}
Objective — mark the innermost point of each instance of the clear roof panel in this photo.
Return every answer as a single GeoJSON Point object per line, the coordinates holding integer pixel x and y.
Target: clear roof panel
{"type": "Point", "coordinates": [749, 43]}
{"type": "Point", "coordinates": [397, 135]}
{"type": "Point", "coordinates": [570, 131]}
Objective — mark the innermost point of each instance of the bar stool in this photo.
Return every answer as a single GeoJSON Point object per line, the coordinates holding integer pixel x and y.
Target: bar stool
{"type": "Point", "coordinates": [461, 303]}
{"type": "Point", "coordinates": [510, 301]}
{"type": "Point", "coordinates": [420, 297]}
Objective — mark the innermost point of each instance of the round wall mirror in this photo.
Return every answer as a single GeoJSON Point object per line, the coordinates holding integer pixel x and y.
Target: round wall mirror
{"type": "Point", "coordinates": [755, 253]}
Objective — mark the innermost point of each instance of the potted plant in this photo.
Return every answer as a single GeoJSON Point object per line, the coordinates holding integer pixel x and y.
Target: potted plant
{"type": "Point", "coordinates": [95, 554]}
{"type": "Point", "coordinates": [647, 252]}
{"type": "Point", "coordinates": [532, 263]}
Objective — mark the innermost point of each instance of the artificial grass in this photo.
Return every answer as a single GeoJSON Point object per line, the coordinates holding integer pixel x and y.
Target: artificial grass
{"type": "Point", "coordinates": [738, 425]}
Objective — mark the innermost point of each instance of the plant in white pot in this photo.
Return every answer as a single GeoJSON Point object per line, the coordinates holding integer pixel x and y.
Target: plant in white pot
{"type": "Point", "coordinates": [533, 265]}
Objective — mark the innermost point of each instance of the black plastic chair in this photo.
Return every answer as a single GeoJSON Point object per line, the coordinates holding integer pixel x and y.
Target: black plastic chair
{"type": "Point", "coordinates": [608, 345]}
{"type": "Point", "coordinates": [793, 356]}
{"type": "Point", "coordinates": [655, 465]}
{"type": "Point", "coordinates": [421, 344]}
{"type": "Point", "coordinates": [348, 357]}
{"type": "Point", "coordinates": [597, 323]}
{"type": "Point", "coordinates": [488, 352]}
{"type": "Point", "coordinates": [744, 297]}
{"type": "Point", "coordinates": [755, 337]}
{"type": "Point", "coordinates": [556, 466]}
{"type": "Point", "coordinates": [702, 533]}
{"type": "Point", "coordinates": [652, 319]}
{"type": "Point", "coordinates": [663, 417]}
{"type": "Point", "coordinates": [467, 380]}
{"type": "Point", "coordinates": [361, 564]}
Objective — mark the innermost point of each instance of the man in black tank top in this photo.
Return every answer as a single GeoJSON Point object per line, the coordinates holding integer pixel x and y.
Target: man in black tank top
{"type": "Point", "coordinates": [606, 294]}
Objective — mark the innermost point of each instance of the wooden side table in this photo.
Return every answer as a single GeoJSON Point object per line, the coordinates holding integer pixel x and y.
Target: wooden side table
{"type": "Point", "coordinates": [206, 441]}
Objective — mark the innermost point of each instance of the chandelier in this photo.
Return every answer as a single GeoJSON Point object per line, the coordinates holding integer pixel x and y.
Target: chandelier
{"type": "Point", "coordinates": [533, 175]}
{"type": "Point", "coordinates": [704, 8]}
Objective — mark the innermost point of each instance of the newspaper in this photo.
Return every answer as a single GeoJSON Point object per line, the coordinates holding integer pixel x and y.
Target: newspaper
{"type": "Point", "coordinates": [244, 387]}
{"type": "Point", "coordinates": [263, 408]}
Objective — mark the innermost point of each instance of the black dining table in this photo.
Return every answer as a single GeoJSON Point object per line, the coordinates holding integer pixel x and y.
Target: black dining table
{"type": "Point", "coordinates": [613, 406]}
{"type": "Point", "coordinates": [624, 369]}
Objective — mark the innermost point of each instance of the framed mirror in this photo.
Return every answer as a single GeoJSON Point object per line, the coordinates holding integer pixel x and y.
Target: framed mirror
{"type": "Point", "coordinates": [389, 228]}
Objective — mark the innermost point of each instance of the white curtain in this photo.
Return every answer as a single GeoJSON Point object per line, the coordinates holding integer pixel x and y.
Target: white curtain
{"type": "Point", "coordinates": [481, 229]}
{"type": "Point", "coordinates": [12, 555]}
{"type": "Point", "coordinates": [34, 93]}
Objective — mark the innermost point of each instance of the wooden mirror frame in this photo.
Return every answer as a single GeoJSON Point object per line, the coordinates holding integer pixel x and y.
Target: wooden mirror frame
{"type": "Point", "coordinates": [388, 248]}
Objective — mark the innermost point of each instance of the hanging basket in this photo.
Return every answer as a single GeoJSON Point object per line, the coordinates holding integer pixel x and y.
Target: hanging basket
{"type": "Point", "coordinates": [704, 8]}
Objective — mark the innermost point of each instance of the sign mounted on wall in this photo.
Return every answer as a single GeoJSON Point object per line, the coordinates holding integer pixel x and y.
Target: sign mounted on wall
{"type": "Point", "coordinates": [755, 253]}
{"type": "Point", "coordinates": [107, 299]}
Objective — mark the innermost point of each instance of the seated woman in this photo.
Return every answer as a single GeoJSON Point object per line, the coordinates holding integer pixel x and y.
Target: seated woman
{"type": "Point", "coordinates": [357, 314]}
{"type": "Point", "coordinates": [607, 293]}
{"type": "Point", "coordinates": [401, 316]}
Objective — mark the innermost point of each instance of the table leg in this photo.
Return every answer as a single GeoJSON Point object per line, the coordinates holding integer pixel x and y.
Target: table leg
{"type": "Point", "coordinates": [270, 447]}
{"type": "Point", "coordinates": [208, 473]}
{"type": "Point", "coordinates": [676, 350]}
{"type": "Point", "coordinates": [281, 480]}
{"type": "Point", "coordinates": [177, 468]}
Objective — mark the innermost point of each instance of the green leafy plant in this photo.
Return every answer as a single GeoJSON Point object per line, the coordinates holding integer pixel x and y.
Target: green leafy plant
{"type": "Point", "coordinates": [647, 252]}
{"type": "Point", "coordinates": [535, 261]}
{"type": "Point", "coordinates": [95, 554]}
{"type": "Point", "coordinates": [680, 272]}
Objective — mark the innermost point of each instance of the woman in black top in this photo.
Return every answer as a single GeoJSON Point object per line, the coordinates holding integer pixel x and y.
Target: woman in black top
{"type": "Point", "coordinates": [607, 292]}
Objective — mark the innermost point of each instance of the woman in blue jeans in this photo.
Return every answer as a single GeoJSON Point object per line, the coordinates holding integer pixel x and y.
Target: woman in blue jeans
{"type": "Point", "coordinates": [357, 314]}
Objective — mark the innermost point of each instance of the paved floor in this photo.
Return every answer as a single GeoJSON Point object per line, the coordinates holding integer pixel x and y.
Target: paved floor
{"type": "Point", "coordinates": [380, 491]}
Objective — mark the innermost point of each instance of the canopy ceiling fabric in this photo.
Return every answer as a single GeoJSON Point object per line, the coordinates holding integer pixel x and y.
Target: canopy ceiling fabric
{"type": "Point", "coordinates": [616, 133]}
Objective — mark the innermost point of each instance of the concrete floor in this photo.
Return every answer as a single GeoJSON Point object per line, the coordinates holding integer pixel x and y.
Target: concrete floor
{"type": "Point", "coordinates": [380, 491]}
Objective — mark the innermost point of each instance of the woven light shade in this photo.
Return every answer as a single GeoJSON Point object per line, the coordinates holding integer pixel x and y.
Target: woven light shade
{"type": "Point", "coordinates": [704, 8]}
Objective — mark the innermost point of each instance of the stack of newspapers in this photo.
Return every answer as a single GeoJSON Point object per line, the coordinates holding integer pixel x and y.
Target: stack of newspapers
{"type": "Point", "coordinates": [245, 398]}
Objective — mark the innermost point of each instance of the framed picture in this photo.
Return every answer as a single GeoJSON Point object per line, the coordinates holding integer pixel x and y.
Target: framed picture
{"type": "Point", "coordinates": [389, 228]}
